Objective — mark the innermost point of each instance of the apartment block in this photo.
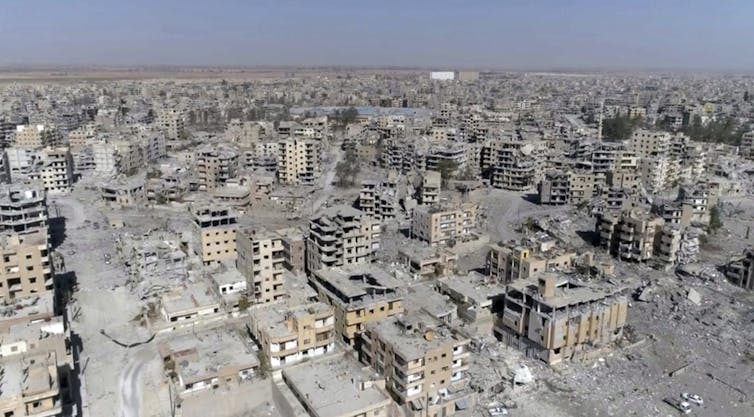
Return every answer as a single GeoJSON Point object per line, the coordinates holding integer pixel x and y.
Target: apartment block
{"type": "Point", "coordinates": [36, 136]}
{"type": "Point", "coordinates": [439, 225]}
{"type": "Point", "coordinates": [515, 260]}
{"type": "Point", "coordinates": [746, 148]}
{"type": "Point", "coordinates": [429, 191]}
{"type": "Point", "coordinates": [298, 161]}
{"type": "Point", "coordinates": [631, 235]}
{"type": "Point", "coordinates": [424, 363]}
{"type": "Point", "coordinates": [215, 166]}
{"type": "Point", "coordinates": [56, 170]}
{"type": "Point", "coordinates": [570, 188]}
{"type": "Point", "coordinates": [290, 335]}
{"type": "Point", "coordinates": [171, 122]}
{"type": "Point", "coordinates": [261, 259]}
{"type": "Point", "coordinates": [555, 318]}
{"type": "Point", "coordinates": [339, 236]}
{"type": "Point", "coordinates": [25, 268]}
{"type": "Point", "coordinates": [216, 227]}
{"type": "Point", "coordinates": [23, 208]}
{"type": "Point", "coordinates": [359, 294]}
{"type": "Point", "coordinates": [378, 199]}
{"type": "Point", "coordinates": [647, 143]}
{"type": "Point", "coordinates": [517, 165]}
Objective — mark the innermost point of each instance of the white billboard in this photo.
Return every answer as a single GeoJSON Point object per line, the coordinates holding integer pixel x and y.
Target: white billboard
{"type": "Point", "coordinates": [442, 75]}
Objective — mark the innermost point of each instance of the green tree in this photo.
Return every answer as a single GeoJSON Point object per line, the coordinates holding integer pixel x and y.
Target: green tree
{"type": "Point", "coordinates": [347, 170]}
{"type": "Point", "coordinates": [715, 220]}
{"type": "Point", "coordinates": [620, 127]}
{"type": "Point", "coordinates": [243, 303]}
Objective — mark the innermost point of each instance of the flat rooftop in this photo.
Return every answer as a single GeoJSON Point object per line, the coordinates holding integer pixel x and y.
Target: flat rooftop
{"type": "Point", "coordinates": [214, 349]}
{"type": "Point", "coordinates": [358, 281]}
{"type": "Point", "coordinates": [413, 334]}
{"type": "Point", "coordinates": [332, 386]}
{"type": "Point", "coordinates": [568, 292]}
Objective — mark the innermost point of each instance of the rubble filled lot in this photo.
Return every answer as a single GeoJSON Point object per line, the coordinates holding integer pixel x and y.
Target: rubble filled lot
{"type": "Point", "coordinates": [671, 346]}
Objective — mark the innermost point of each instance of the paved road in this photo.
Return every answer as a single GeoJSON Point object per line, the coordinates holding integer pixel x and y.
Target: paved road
{"type": "Point", "coordinates": [130, 386]}
{"type": "Point", "coordinates": [329, 178]}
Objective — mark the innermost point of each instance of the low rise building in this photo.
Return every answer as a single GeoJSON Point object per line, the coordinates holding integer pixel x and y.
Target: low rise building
{"type": "Point", "coordinates": [31, 386]}
{"type": "Point", "coordinates": [740, 272]}
{"type": "Point", "coordinates": [290, 335]}
{"type": "Point", "coordinates": [427, 262]}
{"type": "Point", "coordinates": [188, 303]}
{"type": "Point", "coordinates": [332, 387]}
{"type": "Point", "coordinates": [207, 360]}
{"type": "Point", "coordinates": [128, 192]}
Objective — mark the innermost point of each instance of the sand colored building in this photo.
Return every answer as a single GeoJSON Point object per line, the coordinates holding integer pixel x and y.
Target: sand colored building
{"type": "Point", "coordinates": [216, 227]}
{"type": "Point", "coordinates": [359, 294]}
{"type": "Point", "coordinates": [554, 318]}
{"type": "Point", "coordinates": [25, 268]}
{"type": "Point", "coordinates": [290, 335]}
{"type": "Point", "coordinates": [425, 364]}
{"type": "Point", "coordinates": [439, 225]}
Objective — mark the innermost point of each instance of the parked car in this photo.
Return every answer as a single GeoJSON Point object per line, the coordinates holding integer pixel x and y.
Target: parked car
{"type": "Point", "coordinates": [692, 398]}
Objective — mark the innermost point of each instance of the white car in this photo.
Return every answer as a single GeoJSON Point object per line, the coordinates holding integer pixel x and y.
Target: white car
{"type": "Point", "coordinates": [684, 407]}
{"type": "Point", "coordinates": [692, 398]}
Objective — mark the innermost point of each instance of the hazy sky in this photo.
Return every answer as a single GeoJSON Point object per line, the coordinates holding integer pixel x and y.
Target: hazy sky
{"type": "Point", "coordinates": [694, 34]}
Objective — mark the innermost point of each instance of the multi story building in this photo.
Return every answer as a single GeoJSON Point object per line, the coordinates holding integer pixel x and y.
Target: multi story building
{"type": "Point", "coordinates": [288, 336]}
{"type": "Point", "coordinates": [25, 268]}
{"type": "Point", "coordinates": [570, 188]}
{"type": "Point", "coordinates": [339, 236]}
{"type": "Point", "coordinates": [555, 318]}
{"type": "Point", "coordinates": [378, 199]}
{"type": "Point", "coordinates": [261, 259]}
{"type": "Point", "coordinates": [746, 148]}
{"type": "Point", "coordinates": [632, 235]}
{"type": "Point", "coordinates": [216, 227]}
{"type": "Point", "coordinates": [298, 161]}
{"type": "Point", "coordinates": [359, 294]}
{"type": "Point", "coordinates": [511, 261]}
{"type": "Point", "coordinates": [23, 208]}
{"type": "Point", "coordinates": [56, 171]}
{"type": "Point", "coordinates": [215, 166]}
{"type": "Point", "coordinates": [647, 143]}
{"type": "Point", "coordinates": [424, 363]}
{"type": "Point", "coordinates": [444, 226]}
{"type": "Point", "coordinates": [171, 122]}
{"type": "Point", "coordinates": [36, 137]}
{"type": "Point", "coordinates": [429, 191]}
